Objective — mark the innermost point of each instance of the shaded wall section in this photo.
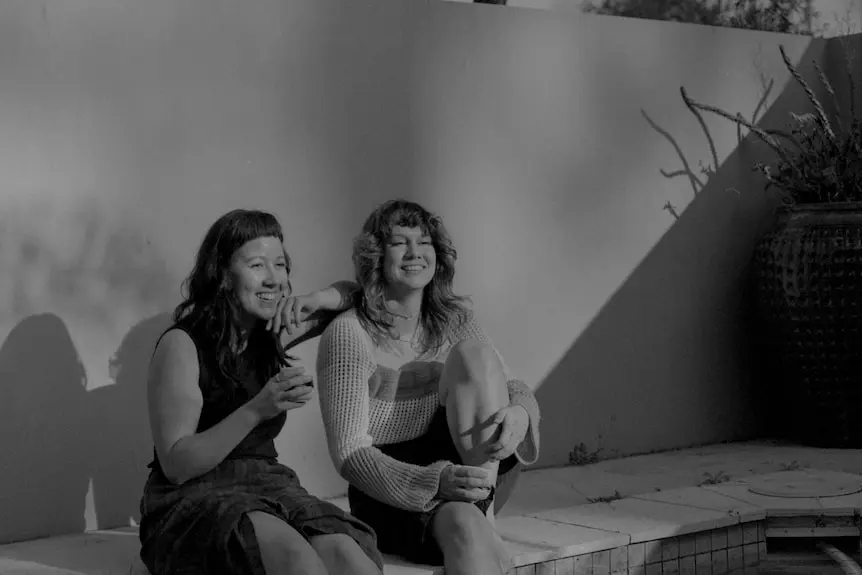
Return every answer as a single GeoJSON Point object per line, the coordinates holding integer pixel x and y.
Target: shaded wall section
{"type": "Point", "coordinates": [540, 154]}
{"type": "Point", "coordinates": [126, 128]}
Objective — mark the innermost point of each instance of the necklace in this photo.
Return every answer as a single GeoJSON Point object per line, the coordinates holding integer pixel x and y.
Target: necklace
{"type": "Point", "coordinates": [404, 316]}
{"type": "Point", "coordinates": [411, 339]}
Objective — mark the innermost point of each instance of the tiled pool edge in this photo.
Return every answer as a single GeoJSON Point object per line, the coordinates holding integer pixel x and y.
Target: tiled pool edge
{"type": "Point", "coordinates": [721, 551]}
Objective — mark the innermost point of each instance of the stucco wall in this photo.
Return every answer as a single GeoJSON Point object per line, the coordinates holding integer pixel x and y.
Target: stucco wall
{"type": "Point", "coordinates": [127, 127]}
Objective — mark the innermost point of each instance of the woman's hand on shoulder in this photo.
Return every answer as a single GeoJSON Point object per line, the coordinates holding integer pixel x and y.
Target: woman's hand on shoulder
{"type": "Point", "coordinates": [292, 311]}
{"type": "Point", "coordinates": [291, 388]}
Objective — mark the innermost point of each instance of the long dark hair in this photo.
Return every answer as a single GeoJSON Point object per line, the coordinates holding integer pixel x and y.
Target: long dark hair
{"type": "Point", "coordinates": [210, 308]}
{"type": "Point", "coordinates": [442, 310]}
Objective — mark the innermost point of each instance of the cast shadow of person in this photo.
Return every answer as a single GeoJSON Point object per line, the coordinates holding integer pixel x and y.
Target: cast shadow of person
{"type": "Point", "coordinates": [44, 431]}
{"type": "Point", "coordinates": [123, 447]}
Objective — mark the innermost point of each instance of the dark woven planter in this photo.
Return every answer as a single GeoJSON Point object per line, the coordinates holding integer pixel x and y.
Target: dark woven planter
{"type": "Point", "coordinates": [808, 277]}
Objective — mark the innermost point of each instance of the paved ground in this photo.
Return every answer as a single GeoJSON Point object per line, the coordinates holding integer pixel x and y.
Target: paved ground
{"type": "Point", "coordinates": [114, 552]}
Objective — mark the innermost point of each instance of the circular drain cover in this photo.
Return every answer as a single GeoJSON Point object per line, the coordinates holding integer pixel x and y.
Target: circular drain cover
{"type": "Point", "coordinates": [805, 484]}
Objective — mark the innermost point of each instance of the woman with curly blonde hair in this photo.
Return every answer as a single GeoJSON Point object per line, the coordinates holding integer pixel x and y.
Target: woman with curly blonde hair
{"type": "Point", "coordinates": [422, 417]}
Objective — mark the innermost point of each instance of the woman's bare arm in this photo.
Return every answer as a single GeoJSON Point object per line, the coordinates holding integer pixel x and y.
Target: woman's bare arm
{"type": "Point", "coordinates": [338, 296]}
{"type": "Point", "coordinates": [332, 300]}
{"type": "Point", "coordinates": [175, 402]}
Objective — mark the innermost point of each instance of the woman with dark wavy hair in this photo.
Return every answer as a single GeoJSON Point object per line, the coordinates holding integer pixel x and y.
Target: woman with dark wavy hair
{"type": "Point", "coordinates": [220, 386]}
{"type": "Point", "coordinates": [422, 416]}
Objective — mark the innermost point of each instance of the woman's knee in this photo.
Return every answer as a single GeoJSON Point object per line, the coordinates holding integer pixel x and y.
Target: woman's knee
{"type": "Point", "coordinates": [342, 554]}
{"type": "Point", "coordinates": [283, 550]}
{"type": "Point", "coordinates": [475, 363]}
{"type": "Point", "coordinates": [462, 527]}
{"type": "Point", "coordinates": [462, 524]}
{"type": "Point", "coordinates": [336, 545]}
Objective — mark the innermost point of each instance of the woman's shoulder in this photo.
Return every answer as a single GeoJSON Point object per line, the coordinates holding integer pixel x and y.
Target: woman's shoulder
{"type": "Point", "coordinates": [346, 326]}
{"type": "Point", "coordinates": [176, 347]}
{"type": "Point", "coordinates": [177, 337]}
{"type": "Point", "coordinates": [346, 320]}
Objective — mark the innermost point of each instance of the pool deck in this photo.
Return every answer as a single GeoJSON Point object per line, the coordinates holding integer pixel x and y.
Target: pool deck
{"type": "Point", "coordinates": [604, 518]}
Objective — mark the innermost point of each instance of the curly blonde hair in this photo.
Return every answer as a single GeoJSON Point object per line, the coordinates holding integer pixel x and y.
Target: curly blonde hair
{"type": "Point", "coordinates": [442, 310]}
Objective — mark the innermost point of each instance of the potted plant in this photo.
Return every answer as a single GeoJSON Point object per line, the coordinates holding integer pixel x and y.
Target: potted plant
{"type": "Point", "coordinates": [808, 269]}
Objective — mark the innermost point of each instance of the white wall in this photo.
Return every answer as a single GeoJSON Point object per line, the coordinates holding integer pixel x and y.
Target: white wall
{"type": "Point", "coordinates": [127, 127]}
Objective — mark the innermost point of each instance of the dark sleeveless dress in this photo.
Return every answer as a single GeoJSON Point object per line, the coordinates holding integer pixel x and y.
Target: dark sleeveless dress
{"type": "Point", "coordinates": [201, 526]}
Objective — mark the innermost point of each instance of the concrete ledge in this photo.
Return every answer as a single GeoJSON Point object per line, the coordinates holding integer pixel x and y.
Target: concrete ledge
{"type": "Point", "coordinates": [724, 523]}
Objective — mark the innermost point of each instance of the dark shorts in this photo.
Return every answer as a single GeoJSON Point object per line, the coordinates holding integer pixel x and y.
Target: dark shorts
{"type": "Point", "coordinates": [408, 534]}
{"type": "Point", "coordinates": [202, 527]}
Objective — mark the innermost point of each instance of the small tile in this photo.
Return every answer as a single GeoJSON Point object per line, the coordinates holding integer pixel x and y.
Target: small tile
{"type": "Point", "coordinates": [749, 555]}
{"type": "Point", "coordinates": [761, 531]}
{"type": "Point", "coordinates": [703, 542]}
{"type": "Point", "coordinates": [749, 533]}
{"type": "Point", "coordinates": [670, 567]}
{"type": "Point", "coordinates": [619, 561]}
{"type": "Point", "coordinates": [565, 566]}
{"type": "Point", "coordinates": [546, 568]}
{"type": "Point", "coordinates": [734, 558]}
{"type": "Point", "coordinates": [686, 565]}
{"type": "Point", "coordinates": [639, 570]}
{"type": "Point", "coordinates": [583, 565]}
{"type": "Point", "coordinates": [602, 562]}
{"type": "Point", "coordinates": [526, 570]}
{"type": "Point", "coordinates": [652, 552]}
{"type": "Point", "coordinates": [653, 569]}
{"type": "Point", "coordinates": [761, 550]}
{"type": "Point", "coordinates": [719, 561]}
{"type": "Point", "coordinates": [637, 555]}
{"type": "Point", "coordinates": [670, 549]}
{"type": "Point", "coordinates": [734, 536]}
{"type": "Point", "coordinates": [719, 539]}
{"type": "Point", "coordinates": [687, 545]}
{"type": "Point", "coordinates": [703, 564]}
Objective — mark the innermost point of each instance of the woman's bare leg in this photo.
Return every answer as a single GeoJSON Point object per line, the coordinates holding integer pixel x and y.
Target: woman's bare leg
{"type": "Point", "coordinates": [473, 389]}
{"type": "Point", "coordinates": [283, 550]}
{"type": "Point", "coordinates": [342, 555]}
{"type": "Point", "coordinates": [468, 541]}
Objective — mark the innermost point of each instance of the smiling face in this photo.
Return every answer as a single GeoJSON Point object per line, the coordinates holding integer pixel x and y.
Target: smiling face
{"type": "Point", "coordinates": [410, 260]}
{"type": "Point", "coordinates": [258, 274]}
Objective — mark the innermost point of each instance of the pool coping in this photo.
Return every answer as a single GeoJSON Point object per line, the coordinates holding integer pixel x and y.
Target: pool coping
{"type": "Point", "coordinates": [679, 514]}
{"type": "Point", "coordinates": [665, 531]}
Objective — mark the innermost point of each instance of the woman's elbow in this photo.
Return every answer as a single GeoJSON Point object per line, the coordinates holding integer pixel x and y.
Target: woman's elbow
{"type": "Point", "coordinates": [340, 464]}
{"type": "Point", "coordinates": [175, 466]}
{"type": "Point", "coordinates": [173, 472]}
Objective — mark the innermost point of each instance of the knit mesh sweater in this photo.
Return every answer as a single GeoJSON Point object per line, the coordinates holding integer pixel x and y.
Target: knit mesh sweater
{"type": "Point", "coordinates": [372, 396]}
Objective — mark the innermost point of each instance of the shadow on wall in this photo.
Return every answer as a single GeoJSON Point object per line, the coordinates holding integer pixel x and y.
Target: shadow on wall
{"type": "Point", "coordinates": [59, 441]}
{"type": "Point", "coordinates": [58, 437]}
{"type": "Point", "coordinates": [668, 360]}
{"type": "Point", "coordinates": [121, 445]}
{"type": "Point", "coordinates": [44, 431]}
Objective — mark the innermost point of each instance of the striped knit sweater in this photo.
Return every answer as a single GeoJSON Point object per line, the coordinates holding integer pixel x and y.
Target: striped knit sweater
{"type": "Point", "coordinates": [371, 396]}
